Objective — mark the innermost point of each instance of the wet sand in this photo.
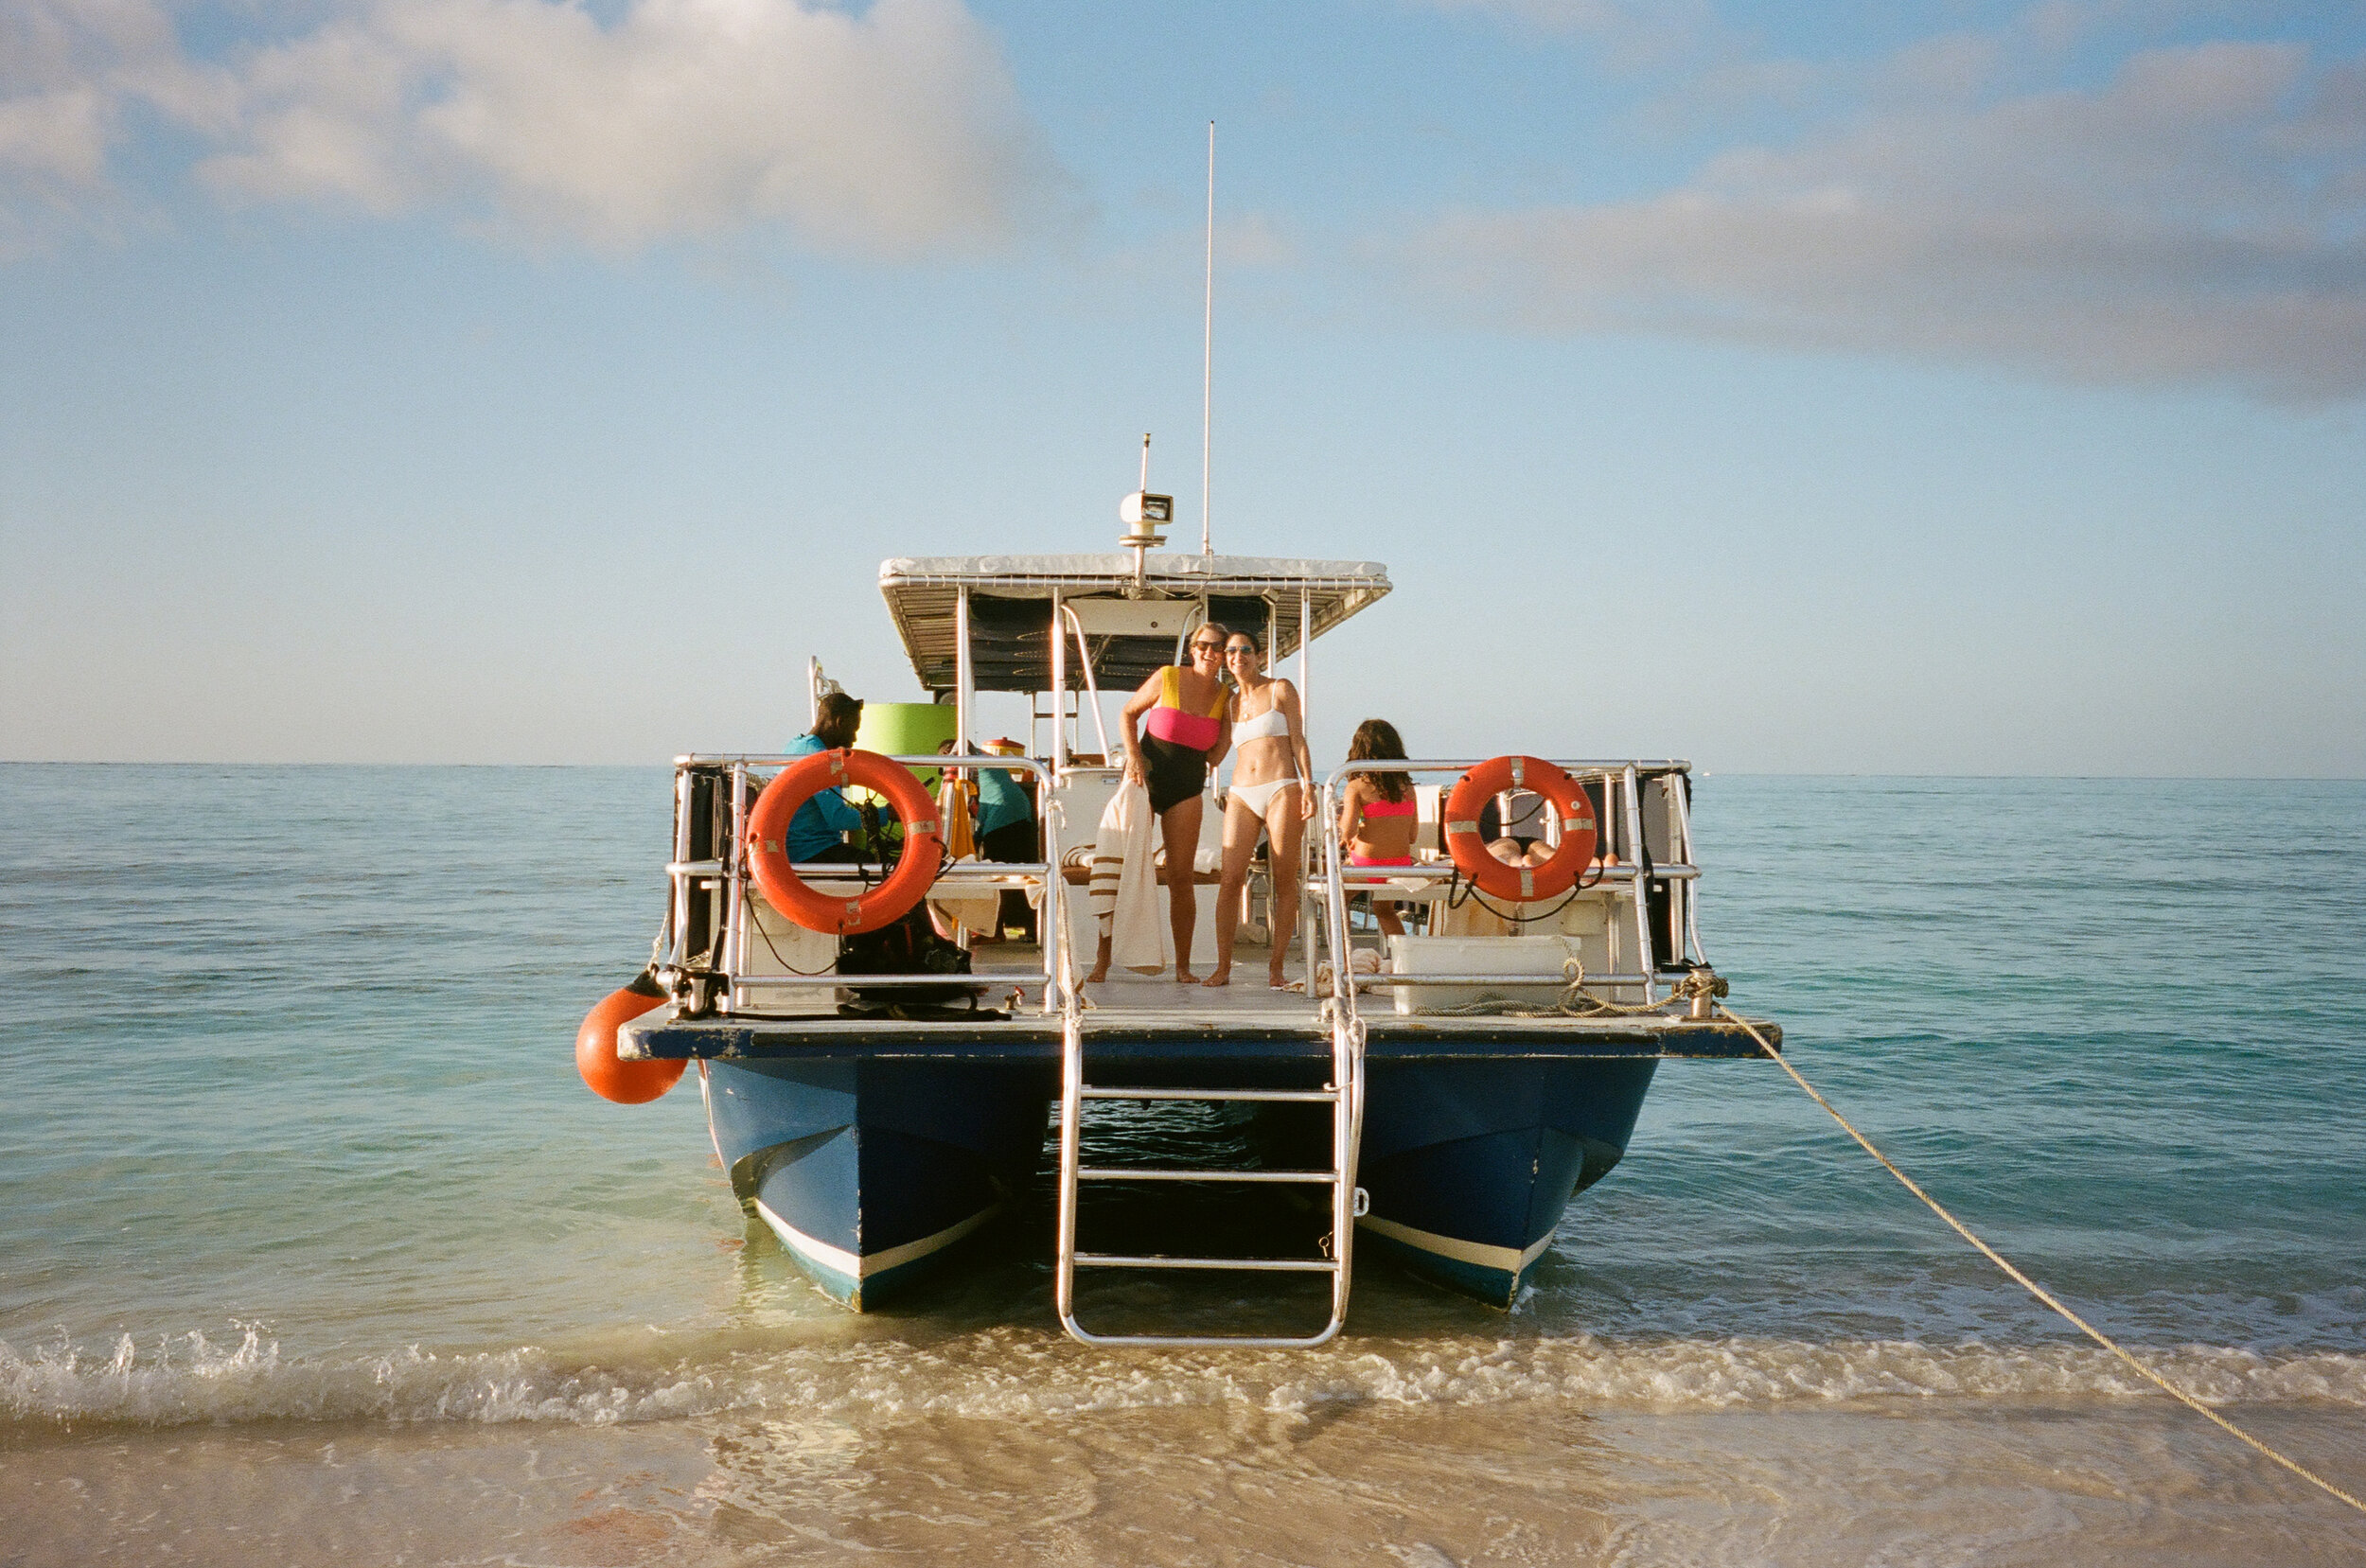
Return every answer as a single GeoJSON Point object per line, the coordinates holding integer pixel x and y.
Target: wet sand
{"type": "Point", "coordinates": [1345, 1482]}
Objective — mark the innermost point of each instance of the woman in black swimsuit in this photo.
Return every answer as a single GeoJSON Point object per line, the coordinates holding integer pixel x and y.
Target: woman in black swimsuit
{"type": "Point", "coordinates": [1182, 709]}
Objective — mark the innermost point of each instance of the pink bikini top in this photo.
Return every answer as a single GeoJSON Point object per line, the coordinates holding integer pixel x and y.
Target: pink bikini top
{"type": "Point", "coordinates": [1391, 809]}
{"type": "Point", "coordinates": [1172, 723]}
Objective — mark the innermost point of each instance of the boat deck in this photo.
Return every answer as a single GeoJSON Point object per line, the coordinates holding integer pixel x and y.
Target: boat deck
{"type": "Point", "coordinates": [1153, 1014]}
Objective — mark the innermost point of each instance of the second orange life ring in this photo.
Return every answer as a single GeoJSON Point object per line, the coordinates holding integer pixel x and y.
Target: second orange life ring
{"type": "Point", "coordinates": [1523, 884]}
{"type": "Point", "coordinates": [767, 826]}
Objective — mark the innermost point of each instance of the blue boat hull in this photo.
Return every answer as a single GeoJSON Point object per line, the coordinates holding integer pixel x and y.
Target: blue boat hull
{"type": "Point", "coordinates": [1470, 1163]}
{"type": "Point", "coordinates": [871, 1169]}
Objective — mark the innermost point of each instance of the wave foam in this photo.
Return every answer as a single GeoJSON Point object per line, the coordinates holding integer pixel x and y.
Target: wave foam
{"type": "Point", "coordinates": [189, 1378]}
{"type": "Point", "coordinates": [1016, 1374]}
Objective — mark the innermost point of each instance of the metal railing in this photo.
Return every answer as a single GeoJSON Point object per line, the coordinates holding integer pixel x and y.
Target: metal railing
{"type": "Point", "coordinates": [1623, 827]}
{"type": "Point", "coordinates": [730, 870]}
{"type": "Point", "coordinates": [1625, 809]}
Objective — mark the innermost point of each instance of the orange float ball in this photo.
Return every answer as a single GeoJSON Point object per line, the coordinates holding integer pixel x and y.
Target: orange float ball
{"type": "Point", "coordinates": [609, 1076]}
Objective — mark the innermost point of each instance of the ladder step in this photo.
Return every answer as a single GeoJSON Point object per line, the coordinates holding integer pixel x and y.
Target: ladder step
{"type": "Point", "coordinates": [1278, 1266]}
{"type": "Point", "coordinates": [1308, 1096]}
{"type": "Point", "coordinates": [1154, 1173]}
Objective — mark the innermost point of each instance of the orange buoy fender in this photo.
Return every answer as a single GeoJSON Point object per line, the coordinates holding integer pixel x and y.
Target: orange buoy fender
{"type": "Point", "coordinates": [767, 826]}
{"type": "Point", "coordinates": [1520, 883]}
{"type": "Point", "coordinates": [609, 1076]}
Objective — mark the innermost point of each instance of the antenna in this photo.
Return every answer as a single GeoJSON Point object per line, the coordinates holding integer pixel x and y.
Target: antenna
{"type": "Point", "coordinates": [1208, 349]}
{"type": "Point", "coordinates": [1143, 514]}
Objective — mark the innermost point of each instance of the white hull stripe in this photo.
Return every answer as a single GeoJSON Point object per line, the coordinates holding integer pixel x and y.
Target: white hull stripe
{"type": "Point", "coordinates": [839, 1261]}
{"type": "Point", "coordinates": [1476, 1253]}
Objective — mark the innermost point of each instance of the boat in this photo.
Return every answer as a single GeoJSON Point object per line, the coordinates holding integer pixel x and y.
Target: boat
{"type": "Point", "coordinates": [1436, 1099]}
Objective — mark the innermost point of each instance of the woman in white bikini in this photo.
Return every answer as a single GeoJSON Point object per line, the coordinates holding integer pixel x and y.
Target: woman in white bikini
{"type": "Point", "coordinates": [1270, 793]}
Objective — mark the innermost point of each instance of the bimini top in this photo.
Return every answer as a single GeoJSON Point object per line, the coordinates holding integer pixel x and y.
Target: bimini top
{"type": "Point", "coordinates": [1126, 627]}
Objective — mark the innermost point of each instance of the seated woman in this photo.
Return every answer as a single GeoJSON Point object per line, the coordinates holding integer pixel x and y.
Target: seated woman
{"type": "Point", "coordinates": [1269, 794]}
{"type": "Point", "coordinates": [1188, 729]}
{"type": "Point", "coordinates": [1377, 813]}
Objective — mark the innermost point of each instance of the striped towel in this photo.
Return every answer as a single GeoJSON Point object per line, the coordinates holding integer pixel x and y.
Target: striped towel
{"type": "Point", "coordinates": [1123, 889]}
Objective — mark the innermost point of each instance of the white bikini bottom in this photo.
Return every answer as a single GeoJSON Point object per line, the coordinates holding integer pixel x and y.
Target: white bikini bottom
{"type": "Point", "coordinates": [1256, 796]}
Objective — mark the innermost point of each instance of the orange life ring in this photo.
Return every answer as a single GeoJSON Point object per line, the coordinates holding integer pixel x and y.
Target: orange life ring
{"type": "Point", "coordinates": [768, 826]}
{"type": "Point", "coordinates": [1522, 884]}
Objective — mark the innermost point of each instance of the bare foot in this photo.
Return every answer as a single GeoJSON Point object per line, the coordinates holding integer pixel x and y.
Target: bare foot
{"type": "Point", "coordinates": [1274, 981]}
{"type": "Point", "coordinates": [1101, 973]}
{"type": "Point", "coordinates": [1184, 976]}
{"type": "Point", "coordinates": [1221, 976]}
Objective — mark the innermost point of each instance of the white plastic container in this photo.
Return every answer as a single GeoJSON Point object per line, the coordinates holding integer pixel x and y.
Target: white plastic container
{"type": "Point", "coordinates": [1539, 958]}
{"type": "Point", "coordinates": [778, 946]}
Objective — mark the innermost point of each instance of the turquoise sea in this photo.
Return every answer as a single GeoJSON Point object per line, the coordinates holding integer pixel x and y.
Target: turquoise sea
{"type": "Point", "coordinates": [313, 1248]}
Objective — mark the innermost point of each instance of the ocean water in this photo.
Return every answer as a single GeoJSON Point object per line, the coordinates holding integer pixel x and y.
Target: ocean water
{"type": "Point", "coordinates": [312, 1246]}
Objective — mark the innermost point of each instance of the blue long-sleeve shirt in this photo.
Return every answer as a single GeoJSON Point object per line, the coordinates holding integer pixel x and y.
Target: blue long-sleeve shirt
{"type": "Point", "coordinates": [819, 822]}
{"type": "Point", "coordinates": [1000, 801]}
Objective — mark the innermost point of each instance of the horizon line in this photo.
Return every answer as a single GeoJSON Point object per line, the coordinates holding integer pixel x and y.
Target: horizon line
{"type": "Point", "coordinates": [1697, 770]}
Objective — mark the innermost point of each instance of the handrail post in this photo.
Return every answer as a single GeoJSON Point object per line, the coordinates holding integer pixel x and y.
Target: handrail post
{"type": "Point", "coordinates": [1675, 784]}
{"type": "Point", "coordinates": [735, 896]}
{"type": "Point", "coordinates": [1053, 924]}
{"type": "Point", "coordinates": [1347, 1056]}
{"type": "Point", "coordinates": [1646, 959]}
{"type": "Point", "coordinates": [679, 906]}
{"type": "Point", "coordinates": [1071, 1118]}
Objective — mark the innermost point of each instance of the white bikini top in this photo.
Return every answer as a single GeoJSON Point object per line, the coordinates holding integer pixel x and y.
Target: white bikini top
{"type": "Point", "coordinates": [1272, 722]}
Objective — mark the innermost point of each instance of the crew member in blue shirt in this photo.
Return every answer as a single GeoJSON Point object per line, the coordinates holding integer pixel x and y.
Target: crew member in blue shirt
{"type": "Point", "coordinates": [818, 831]}
{"type": "Point", "coordinates": [1006, 831]}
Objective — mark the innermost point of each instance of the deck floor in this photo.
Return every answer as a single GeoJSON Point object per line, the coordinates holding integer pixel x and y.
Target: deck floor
{"type": "Point", "coordinates": [1153, 1013]}
{"type": "Point", "coordinates": [1154, 999]}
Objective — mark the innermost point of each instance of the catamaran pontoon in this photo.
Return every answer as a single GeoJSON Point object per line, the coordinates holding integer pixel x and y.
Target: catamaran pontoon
{"type": "Point", "coordinates": [1446, 1107]}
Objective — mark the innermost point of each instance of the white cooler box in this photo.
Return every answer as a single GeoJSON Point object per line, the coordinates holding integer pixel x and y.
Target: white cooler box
{"type": "Point", "coordinates": [1539, 957]}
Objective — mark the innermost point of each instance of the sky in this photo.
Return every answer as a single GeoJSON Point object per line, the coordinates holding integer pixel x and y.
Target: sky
{"type": "Point", "coordinates": [1845, 387]}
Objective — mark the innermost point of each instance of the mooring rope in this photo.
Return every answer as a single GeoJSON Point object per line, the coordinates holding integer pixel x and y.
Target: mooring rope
{"type": "Point", "coordinates": [2033, 1287]}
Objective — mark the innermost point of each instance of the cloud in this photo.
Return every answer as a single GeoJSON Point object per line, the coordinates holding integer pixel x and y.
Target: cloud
{"type": "Point", "coordinates": [60, 107]}
{"type": "Point", "coordinates": [59, 136]}
{"type": "Point", "coordinates": [2200, 218]}
{"type": "Point", "coordinates": [893, 132]}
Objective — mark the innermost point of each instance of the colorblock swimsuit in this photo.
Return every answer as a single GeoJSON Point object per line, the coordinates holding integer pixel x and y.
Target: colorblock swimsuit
{"type": "Point", "coordinates": [1385, 808]}
{"type": "Point", "coordinates": [1175, 742]}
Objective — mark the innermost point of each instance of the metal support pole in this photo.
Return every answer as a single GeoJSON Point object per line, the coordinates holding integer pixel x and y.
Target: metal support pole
{"type": "Point", "coordinates": [1059, 688]}
{"type": "Point", "coordinates": [964, 677]}
{"type": "Point", "coordinates": [1297, 874]}
{"type": "Point", "coordinates": [1306, 641]}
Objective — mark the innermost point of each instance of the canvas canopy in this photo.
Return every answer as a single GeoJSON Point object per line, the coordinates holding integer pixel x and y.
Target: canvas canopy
{"type": "Point", "coordinates": [1010, 610]}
